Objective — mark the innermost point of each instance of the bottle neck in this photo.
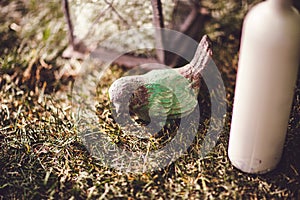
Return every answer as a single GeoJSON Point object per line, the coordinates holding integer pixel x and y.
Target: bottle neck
{"type": "Point", "coordinates": [281, 3]}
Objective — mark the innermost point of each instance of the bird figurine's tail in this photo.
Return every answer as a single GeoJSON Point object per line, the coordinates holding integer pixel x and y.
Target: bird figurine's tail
{"type": "Point", "coordinates": [192, 71]}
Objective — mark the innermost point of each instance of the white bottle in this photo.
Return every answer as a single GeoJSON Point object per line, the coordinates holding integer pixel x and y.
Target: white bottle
{"type": "Point", "coordinates": [267, 73]}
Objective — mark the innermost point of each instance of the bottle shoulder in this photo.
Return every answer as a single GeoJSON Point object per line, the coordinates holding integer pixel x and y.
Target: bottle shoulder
{"type": "Point", "coordinates": [267, 10]}
{"type": "Point", "coordinates": [265, 19]}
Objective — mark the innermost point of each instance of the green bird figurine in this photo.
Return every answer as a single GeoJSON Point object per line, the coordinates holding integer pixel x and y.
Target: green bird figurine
{"type": "Point", "coordinates": [163, 93]}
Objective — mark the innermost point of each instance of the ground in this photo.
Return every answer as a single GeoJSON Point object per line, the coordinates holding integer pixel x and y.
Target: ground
{"type": "Point", "coordinates": [42, 151]}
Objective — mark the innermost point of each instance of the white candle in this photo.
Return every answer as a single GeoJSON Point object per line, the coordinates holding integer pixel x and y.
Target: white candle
{"type": "Point", "coordinates": [267, 73]}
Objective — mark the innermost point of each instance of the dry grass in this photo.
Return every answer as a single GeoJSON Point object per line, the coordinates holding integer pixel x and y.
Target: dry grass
{"type": "Point", "coordinates": [43, 155]}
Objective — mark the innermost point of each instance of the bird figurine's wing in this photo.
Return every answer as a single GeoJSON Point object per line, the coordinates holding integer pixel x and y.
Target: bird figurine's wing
{"type": "Point", "coordinates": [184, 98]}
{"type": "Point", "coordinates": [150, 101]}
{"type": "Point", "coordinates": [165, 93]}
{"type": "Point", "coordinates": [161, 100]}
